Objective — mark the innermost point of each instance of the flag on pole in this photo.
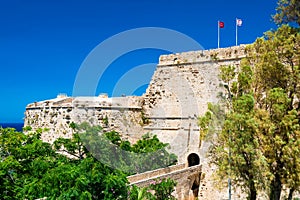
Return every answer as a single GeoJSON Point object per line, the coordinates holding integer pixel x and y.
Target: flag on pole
{"type": "Point", "coordinates": [221, 24]}
{"type": "Point", "coordinates": [239, 22]}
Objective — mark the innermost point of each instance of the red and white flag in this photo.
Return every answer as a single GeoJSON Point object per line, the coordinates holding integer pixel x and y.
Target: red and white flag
{"type": "Point", "coordinates": [239, 22]}
{"type": "Point", "coordinates": [221, 24]}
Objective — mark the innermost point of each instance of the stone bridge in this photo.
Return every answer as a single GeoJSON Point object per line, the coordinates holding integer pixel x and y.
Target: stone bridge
{"type": "Point", "coordinates": [187, 176]}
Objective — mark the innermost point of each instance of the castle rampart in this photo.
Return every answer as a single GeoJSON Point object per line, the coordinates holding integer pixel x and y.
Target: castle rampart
{"type": "Point", "coordinates": [180, 89]}
{"type": "Point", "coordinates": [122, 114]}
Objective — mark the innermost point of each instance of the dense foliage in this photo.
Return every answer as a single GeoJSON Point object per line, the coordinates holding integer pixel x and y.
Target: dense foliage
{"type": "Point", "coordinates": [146, 154]}
{"type": "Point", "coordinates": [288, 11]}
{"type": "Point", "coordinates": [258, 144]}
{"type": "Point", "coordinates": [258, 138]}
{"type": "Point", "coordinates": [31, 169]}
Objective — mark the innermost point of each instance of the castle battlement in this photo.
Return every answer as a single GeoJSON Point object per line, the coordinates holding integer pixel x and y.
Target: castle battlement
{"type": "Point", "coordinates": [203, 56]}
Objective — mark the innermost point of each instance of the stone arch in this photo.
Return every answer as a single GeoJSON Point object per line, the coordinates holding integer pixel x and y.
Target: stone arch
{"type": "Point", "coordinates": [193, 159]}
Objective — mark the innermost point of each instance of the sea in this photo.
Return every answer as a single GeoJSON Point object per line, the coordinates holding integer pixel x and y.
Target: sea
{"type": "Point", "coordinates": [17, 126]}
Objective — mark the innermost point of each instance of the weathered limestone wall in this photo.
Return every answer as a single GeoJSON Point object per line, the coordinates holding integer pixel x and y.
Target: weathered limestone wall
{"type": "Point", "coordinates": [55, 115]}
{"type": "Point", "coordinates": [181, 87]}
{"type": "Point", "coordinates": [177, 95]}
{"type": "Point", "coordinates": [179, 92]}
{"type": "Point", "coordinates": [122, 114]}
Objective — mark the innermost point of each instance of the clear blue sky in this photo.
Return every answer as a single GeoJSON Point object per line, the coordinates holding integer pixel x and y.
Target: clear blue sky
{"type": "Point", "coordinates": [44, 42]}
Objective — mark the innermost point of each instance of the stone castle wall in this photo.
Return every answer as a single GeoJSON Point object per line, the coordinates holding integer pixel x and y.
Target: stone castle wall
{"type": "Point", "coordinates": [179, 91]}
{"type": "Point", "coordinates": [121, 114]}
{"type": "Point", "coordinates": [181, 87]}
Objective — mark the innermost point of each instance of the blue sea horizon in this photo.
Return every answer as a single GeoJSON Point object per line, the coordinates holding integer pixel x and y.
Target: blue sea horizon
{"type": "Point", "coordinates": [16, 125]}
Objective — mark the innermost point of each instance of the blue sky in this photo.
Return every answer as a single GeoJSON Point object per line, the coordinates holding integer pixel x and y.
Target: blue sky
{"type": "Point", "coordinates": [44, 42]}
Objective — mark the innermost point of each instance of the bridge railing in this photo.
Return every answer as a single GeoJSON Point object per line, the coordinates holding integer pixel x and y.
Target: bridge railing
{"type": "Point", "coordinates": [155, 173]}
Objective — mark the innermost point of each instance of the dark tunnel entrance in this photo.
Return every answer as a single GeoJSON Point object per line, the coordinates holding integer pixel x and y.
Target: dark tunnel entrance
{"type": "Point", "coordinates": [193, 159]}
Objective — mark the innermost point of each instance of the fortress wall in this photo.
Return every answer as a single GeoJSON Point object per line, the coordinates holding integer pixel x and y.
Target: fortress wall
{"type": "Point", "coordinates": [178, 93]}
{"type": "Point", "coordinates": [55, 115]}
{"type": "Point", "coordinates": [202, 56]}
{"type": "Point", "coordinates": [120, 114]}
{"type": "Point", "coordinates": [180, 89]}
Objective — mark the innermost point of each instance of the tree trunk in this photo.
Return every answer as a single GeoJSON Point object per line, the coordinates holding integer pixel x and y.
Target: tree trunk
{"type": "Point", "coordinates": [276, 188]}
{"type": "Point", "coordinates": [290, 197]}
{"type": "Point", "coordinates": [253, 193]}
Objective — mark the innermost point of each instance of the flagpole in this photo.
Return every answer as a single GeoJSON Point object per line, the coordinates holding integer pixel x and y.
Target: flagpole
{"type": "Point", "coordinates": [218, 34]}
{"type": "Point", "coordinates": [236, 32]}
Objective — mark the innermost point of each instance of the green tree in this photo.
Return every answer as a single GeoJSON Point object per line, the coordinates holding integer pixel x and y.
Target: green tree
{"type": "Point", "coordinates": [163, 189]}
{"type": "Point", "coordinates": [24, 161]}
{"type": "Point", "coordinates": [275, 60]}
{"type": "Point", "coordinates": [75, 176]}
{"type": "Point", "coordinates": [10, 141]}
{"type": "Point", "coordinates": [149, 153]}
{"type": "Point", "coordinates": [288, 11]}
{"type": "Point", "coordinates": [146, 154]}
{"type": "Point", "coordinates": [31, 169]}
{"type": "Point", "coordinates": [258, 145]}
{"type": "Point", "coordinates": [235, 149]}
{"type": "Point", "coordinates": [137, 193]}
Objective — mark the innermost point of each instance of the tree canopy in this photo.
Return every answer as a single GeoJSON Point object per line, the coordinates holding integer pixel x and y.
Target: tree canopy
{"type": "Point", "coordinates": [288, 11]}
{"type": "Point", "coordinates": [32, 169]}
{"type": "Point", "coordinates": [259, 141]}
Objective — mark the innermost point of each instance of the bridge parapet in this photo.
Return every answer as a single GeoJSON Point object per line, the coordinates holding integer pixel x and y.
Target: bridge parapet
{"type": "Point", "coordinates": [187, 178]}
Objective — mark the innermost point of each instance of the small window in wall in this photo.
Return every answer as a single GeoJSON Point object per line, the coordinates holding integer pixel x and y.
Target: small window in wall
{"type": "Point", "coordinates": [193, 159]}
